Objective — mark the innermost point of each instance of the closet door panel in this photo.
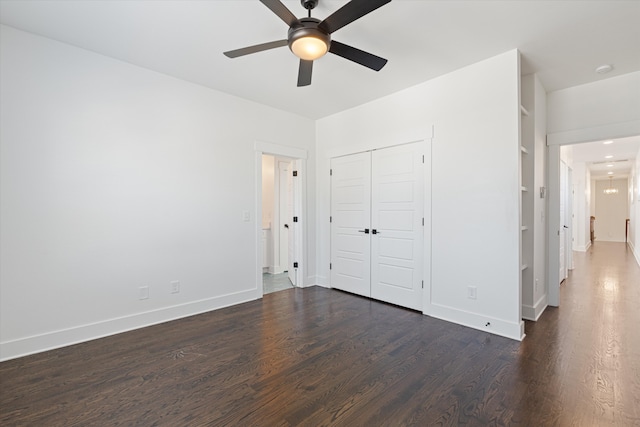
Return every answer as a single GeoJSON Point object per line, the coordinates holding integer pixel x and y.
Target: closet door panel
{"type": "Point", "coordinates": [350, 216]}
{"type": "Point", "coordinates": [396, 216]}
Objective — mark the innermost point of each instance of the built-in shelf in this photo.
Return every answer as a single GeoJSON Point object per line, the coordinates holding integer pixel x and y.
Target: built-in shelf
{"type": "Point", "coordinates": [524, 267]}
{"type": "Point", "coordinates": [524, 227]}
{"type": "Point", "coordinates": [524, 150]}
{"type": "Point", "coordinates": [524, 111]}
{"type": "Point", "coordinates": [524, 188]}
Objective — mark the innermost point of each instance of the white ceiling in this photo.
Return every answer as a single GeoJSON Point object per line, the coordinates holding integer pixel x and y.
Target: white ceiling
{"type": "Point", "coordinates": [562, 41]}
{"type": "Point", "coordinates": [622, 152]}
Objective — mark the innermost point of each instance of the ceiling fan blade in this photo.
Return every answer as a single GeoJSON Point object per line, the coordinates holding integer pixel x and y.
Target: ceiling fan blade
{"type": "Point", "coordinates": [281, 10]}
{"type": "Point", "coordinates": [348, 13]}
{"type": "Point", "coordinates": [255, 49]}
{"type": "Point", "coordinates": [304, 73]}
{"type": "Point", "coordinates": [356, 55]}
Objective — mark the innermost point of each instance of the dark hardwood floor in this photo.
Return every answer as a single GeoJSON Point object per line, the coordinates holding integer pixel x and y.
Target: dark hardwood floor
{"type": "Point", "coordinates": [317, 357]}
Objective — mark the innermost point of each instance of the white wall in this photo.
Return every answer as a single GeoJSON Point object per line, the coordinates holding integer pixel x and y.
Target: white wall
{"type": "Point", "coordinates": [115, 177]}
{"type": "Point", "coordinates": [611, 211]}
{"type": "Point", "coordinates": [634, 204]}
{"type": "Point", "coordinates": [608, 108]}
{"type": "Point", "coordinates": [268, 194]}
{"type": "Point", "coordinates": [475, 184]}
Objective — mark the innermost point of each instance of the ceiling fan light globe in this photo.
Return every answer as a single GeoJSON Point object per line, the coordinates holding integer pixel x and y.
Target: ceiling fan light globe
{"type": "Point", "coordinates": [309, 48]}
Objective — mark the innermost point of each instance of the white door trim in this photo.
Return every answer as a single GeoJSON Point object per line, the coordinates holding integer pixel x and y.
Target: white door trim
{"type": "Point", "coordinates": [299, 157]}
{"type": "Point", "coordinates": [553, 229]}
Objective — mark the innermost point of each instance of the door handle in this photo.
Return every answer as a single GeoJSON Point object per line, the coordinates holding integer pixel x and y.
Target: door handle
{"type": "Point", "coordinates": [565, 226]}
{"type": "Point", "coordinates": [286, 226]}
{"type": "Point", "coordinates": [365, 231]}
{"type": "Point", "coordinates": [374, 231]}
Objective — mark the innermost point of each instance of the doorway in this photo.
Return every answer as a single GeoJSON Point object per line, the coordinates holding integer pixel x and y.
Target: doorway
{"type": "Point", "coordinates": [280, 198]}
{"type": "Point", "coordinates": [592, 162]}
{"type": "Point", "coordinates": [278, 228]}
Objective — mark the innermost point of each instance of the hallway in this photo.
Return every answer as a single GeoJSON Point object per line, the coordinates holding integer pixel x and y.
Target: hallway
{"type": "Point", "coordinates": [590, 345]}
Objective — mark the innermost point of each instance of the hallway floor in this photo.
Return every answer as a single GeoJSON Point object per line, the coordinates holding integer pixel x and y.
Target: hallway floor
{"type": "Point", "coordinates": [588, 348]}
{"type": "Point", "coordinates": [275, 282]}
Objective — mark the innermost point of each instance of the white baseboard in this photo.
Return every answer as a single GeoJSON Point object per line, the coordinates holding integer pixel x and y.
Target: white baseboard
{"type": "Point", "coordinates": [62, 338]}
{"type": "Point", "coordinates": [276, 269]}
{"type": "Point", "coordinates": [513, 330]}
{"type": "Point", "coordinates": [604, 239]}
{"type": "Point", "coordinates": [635, 252]}
{"type": "Point", "coordinates": [534, 312]}
{"type": "Point", "coordinates": [317, 281]}
{"type": "Point", "coordinates": [322, 281]}
{"type": "Point", "coordinates": [583, 248]}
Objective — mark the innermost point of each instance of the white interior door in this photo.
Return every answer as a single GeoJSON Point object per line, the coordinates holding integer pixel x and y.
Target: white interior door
{"type": "Point", "coordinates": [284, 219]}
{"type": "Point", "coordinates": [293, 227]}
{"type": "Point", "coordinates": [568, 246]}
{"type": "Point", "coordinates": [397, 206]}
{"type": "Point", "coordinates": [563, 221]}
{"type": "Point", "coordinates": [350, 223]}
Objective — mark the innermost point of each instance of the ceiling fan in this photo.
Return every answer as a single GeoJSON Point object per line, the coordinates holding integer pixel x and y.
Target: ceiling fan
{"type": "Point", "coordinates": [309, 38]}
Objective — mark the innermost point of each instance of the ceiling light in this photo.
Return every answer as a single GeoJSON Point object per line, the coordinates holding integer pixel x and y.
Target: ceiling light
{"type": "Point", "coordinates": [609, 165]}
{"type": "Point", "coordinates": [608, 157]}
{"type": "Point", "coordinates": [610, 173]}
{"type": "Point", "coordinates": [308, 42]}
{"type": "Point", "coordinates": [604, 69]}
{"type": "Point", "coordinates": [607, 142]}
{"type": "Point", "coordinates": [611, 190]}
{"type": "Point", "coordinates": [309, 48]}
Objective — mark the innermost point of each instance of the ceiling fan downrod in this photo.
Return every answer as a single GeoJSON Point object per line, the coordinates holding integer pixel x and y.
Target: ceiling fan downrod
{"type": "Point", "coordinates": [309, 5]}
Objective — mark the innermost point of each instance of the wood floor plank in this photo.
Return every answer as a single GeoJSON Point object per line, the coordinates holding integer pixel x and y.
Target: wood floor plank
{"type": "Point", "coordinates": [314, 357]}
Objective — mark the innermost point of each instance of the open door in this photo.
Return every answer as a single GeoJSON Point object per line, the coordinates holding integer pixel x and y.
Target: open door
{"type": "Point", "coordinates": [284, 219]}
{"type": "Point", "coordinates": [294, 201]}
{"type": "Point", "coordinates": [562, 272]}
{"type": "Point", "coordinates": [292, 231]}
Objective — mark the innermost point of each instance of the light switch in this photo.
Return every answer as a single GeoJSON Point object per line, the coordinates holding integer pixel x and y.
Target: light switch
{"type": "Point", "coordinates": [246, 216]}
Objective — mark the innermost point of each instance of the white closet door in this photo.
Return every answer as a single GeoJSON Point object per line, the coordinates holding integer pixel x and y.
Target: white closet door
{"type": "Point", "coordinates": [350, 216]}
{"type": "Point", "coordinates": [396, 222]}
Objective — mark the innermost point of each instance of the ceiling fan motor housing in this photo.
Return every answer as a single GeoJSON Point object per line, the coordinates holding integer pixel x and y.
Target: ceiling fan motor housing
{"type": "Point", "coordinates": [307, 27]}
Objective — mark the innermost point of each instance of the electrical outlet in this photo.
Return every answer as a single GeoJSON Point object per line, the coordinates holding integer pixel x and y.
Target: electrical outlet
{"type": "Point", "coordinates": [175, 287]}
{"type": "Point", "coordinates": [472, 292]}
{"type": "Point", "coordinates": [143, 292]}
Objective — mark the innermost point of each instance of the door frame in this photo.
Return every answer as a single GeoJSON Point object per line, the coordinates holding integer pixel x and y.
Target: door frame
{"type": "Point", "coordinates": [299, 159]}
{"type": "Point", "coordinates": [426, 136]}
{"type": "Point", "coordinates": [554, 141]}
